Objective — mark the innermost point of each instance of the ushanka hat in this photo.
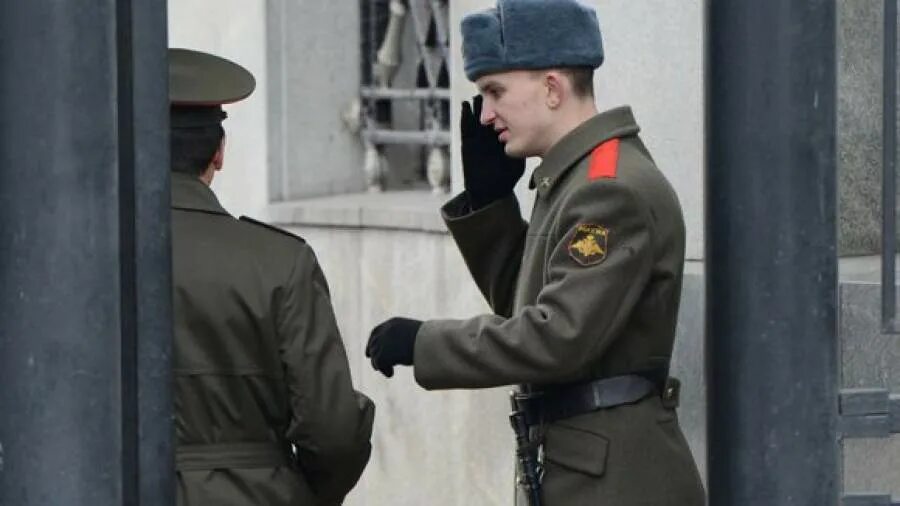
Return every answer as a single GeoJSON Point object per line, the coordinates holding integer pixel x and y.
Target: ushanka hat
{"type": "Point", "coordinates": [530, 34]}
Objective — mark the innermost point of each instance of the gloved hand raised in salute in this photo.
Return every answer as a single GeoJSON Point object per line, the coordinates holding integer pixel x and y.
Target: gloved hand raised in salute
{"type": "Point", "coordinates": [489, 174]}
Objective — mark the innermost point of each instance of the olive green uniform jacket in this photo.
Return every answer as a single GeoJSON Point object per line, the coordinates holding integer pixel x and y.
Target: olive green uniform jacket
{"type": "Point", "coordinates": [589, 289]}
{"type": "Point", "coordinates": [265, 412]}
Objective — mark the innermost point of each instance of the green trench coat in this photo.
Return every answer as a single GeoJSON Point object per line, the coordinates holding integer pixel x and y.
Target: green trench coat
{"type": "Point", "coordinates": [265, 412]}
{"type": "Point", "coordinates": [589, 289]}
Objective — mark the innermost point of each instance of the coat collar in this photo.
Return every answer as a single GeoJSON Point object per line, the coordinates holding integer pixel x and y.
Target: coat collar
{"type": "Point", "coordinates": [191, 194]}
{"type": "Point", "coordinates": [618, 122]}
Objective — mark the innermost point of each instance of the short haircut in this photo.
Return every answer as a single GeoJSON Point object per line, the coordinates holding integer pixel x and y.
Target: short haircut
{"type": "Point", "coordinates": [192, 148]}
{"type": "Point", "coordinates": [582, 79]}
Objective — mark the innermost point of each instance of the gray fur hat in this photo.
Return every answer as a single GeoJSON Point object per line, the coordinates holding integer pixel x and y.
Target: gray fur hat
{"type": "Point", "coordinates": [530, 34]}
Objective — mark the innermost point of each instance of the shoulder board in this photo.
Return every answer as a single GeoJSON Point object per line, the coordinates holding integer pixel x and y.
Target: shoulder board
{"type": "Point", "coordinates": [604, 161]}
{"type": "Point", "coordinates": [270, 227]}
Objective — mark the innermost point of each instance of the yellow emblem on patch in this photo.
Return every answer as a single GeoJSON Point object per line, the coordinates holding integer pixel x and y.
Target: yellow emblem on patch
{"type": "Point", "coordinates": [588, 245]}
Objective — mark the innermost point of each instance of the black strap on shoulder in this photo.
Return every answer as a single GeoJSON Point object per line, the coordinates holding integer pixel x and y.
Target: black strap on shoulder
{"type": "Point", "coordinates": [270, 227]}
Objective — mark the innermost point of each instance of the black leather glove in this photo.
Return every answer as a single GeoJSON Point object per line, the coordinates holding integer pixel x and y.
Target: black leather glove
{"type": "Point", "coordinates": [392, 343]}
{"type": "Point", "coordinates": [488, 174]}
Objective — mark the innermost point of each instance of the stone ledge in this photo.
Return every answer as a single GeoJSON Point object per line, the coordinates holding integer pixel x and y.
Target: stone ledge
{"type": "Point", "coordinates": [863, 269]}
{"type": "Point", "coordinates": [405, 210]}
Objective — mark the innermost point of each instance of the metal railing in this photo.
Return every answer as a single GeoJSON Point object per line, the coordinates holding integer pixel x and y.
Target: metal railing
{"type": "Point", "coordinates": [889, 173]}
{"type": "Point", "coordinates": [386, 37]}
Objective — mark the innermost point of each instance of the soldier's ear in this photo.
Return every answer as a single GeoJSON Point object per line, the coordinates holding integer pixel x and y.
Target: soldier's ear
{"type": "Point", "coordinates": [219, 157]}
{"type": "Point", "coordinates": [555, 89]}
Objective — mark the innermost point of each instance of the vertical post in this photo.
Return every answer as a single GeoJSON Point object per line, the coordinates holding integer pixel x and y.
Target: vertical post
{"type": "Point", "coordinates": [771, 253]}
{"type": "Point", "coordinates": [84, 256]}
{"type": "Point", "coordinates": [889, 172]}
{"type": "Point", "coordinates": [143, 64]}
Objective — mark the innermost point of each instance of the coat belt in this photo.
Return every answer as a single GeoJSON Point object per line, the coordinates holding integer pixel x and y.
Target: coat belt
{"type": "Point", "coordinates": [551, 404]}
{"type": "Point", "coordinates": [205, 457]}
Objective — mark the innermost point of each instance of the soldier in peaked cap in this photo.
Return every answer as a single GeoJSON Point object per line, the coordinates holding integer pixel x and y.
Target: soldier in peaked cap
{"type": "Point", "coordinates": [585, 296]}
{"type": "Point", "coordinates": [265, 412]}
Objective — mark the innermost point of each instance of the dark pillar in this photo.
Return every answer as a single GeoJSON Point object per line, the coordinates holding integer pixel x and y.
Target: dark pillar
{"type": "Point", "coordinates": [771, 253]}
{"type": "Point", "coordinates": [85, 327]}
{"type": "Point", "coordinates": [143, 64]}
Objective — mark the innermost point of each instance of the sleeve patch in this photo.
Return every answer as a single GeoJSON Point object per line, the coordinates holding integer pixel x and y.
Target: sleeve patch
{"type": "Point", "coordinates": [604, 160]}
{"type": "Point", "coordinates": [589, 244]}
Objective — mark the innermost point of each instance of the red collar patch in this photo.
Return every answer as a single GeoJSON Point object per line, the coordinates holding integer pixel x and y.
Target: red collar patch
{"type": "Point", "coordinates": [604, 160]}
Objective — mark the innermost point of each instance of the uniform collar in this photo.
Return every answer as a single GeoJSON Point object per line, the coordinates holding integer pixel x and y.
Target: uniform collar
{"type": "Point", "coordinates": [191, 194]}
{"type": "Point", "coordinates": [618, 122]}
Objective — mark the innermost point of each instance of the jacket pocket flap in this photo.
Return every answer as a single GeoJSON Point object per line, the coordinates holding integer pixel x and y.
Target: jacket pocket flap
{"type": "Point", "coordinates": [576, 449]}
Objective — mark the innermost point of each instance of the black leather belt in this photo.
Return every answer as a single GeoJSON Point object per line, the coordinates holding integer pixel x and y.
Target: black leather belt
{"type": "Point", "coordinates": [205, 457]}
{"type": "Point", "coordinates": [565, 401]}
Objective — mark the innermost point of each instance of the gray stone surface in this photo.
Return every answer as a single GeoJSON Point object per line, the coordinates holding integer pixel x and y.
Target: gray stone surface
{"type": "Point", "coordinates": [872, 465]}
{"type": "Point", "coordinates": [409, 210]}
{"type": "Point", "coordinates": [860, 38]}
{"type": "Point", "coordinates": [860, 269]}
{"type": "Point", "coordinates": [860, 42]}
{"type": "Point", "coordinates": [688, 363]}
{"type": "Point", "coordinates": [870, 359]}
{"type": "Point", "coordinates": [442, 448]}
{"type": "Point", "coordinates": [312, 61]}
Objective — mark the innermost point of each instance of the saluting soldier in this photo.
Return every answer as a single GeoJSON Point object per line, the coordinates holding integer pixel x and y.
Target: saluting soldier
{"type": "Point", "coordinates": [585, 296]}
{"type": "Point", "coordinates": [265, 412]}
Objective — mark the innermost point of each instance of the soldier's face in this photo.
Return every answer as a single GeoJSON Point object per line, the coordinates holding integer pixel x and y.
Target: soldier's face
{"type": "Point", "coordinates": [515, 106]}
